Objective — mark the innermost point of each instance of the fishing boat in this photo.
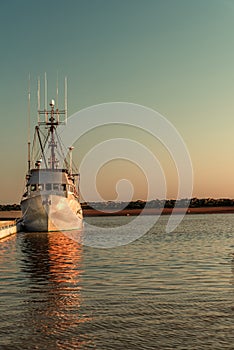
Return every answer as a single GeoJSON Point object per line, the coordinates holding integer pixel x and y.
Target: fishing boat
{"type": "Point", "coordinates": [50, 201]}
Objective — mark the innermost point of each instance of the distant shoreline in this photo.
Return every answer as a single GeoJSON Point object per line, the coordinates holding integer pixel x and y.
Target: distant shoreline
{"type": "Point", "coordinates": [15, 214]}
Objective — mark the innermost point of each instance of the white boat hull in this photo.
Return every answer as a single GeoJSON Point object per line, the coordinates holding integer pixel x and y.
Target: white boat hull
{"type": "Point", "coordinates": [51, 212]}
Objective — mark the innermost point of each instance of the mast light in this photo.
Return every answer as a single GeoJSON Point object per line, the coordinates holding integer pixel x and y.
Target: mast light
{"type": "Point", "coordinates": [52, 103]}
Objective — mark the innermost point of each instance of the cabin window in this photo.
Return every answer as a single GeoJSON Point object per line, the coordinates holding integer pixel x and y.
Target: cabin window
{"type": "Point", "coordinates": [41, 187]}
{"type": "Point", "coordinates": [56, 187]}
{"type": "Point", "coordinates": [63, 187]}
{"type": "Point", "coordinates": [48, 187]}
{"type": "Point", "coordinates": [33, 187]}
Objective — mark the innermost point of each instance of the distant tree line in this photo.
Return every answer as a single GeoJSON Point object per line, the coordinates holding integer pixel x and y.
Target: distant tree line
{"type": "Point", "coordinates": [157, 203]}
{"type": "Point", "coordinates": [139, 204]}
{"type": "Point", "coordinates": [7, 207]}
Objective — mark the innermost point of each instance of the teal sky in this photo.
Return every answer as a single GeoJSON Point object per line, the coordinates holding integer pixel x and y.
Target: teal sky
{"type": "Point", "coordinates": [175, 56]}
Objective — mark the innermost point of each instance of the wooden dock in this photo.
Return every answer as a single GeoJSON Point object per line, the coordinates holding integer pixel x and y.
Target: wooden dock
{"type": "Point", "coordinates": [8, 228]}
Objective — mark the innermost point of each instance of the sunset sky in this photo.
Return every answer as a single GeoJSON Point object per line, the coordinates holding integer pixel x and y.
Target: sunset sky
{"type": "Point", "coordinates": [174, 56]}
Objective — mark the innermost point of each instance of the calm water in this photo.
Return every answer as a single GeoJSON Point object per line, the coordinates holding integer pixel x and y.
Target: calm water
{"type": "Point", "coordinates": [163, 291]}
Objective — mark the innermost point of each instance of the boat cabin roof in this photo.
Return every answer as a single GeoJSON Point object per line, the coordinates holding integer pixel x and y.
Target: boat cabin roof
{"type": "Point", "coordinates": [43, 176]}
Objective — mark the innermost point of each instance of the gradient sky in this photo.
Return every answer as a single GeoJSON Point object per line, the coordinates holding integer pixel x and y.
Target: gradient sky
{"type": "Point", "coordinates": [175, 56]}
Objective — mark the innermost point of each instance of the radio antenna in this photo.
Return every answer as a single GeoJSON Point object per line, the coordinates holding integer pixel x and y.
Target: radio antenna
{"type": "Point", "coordinates": [29, 143]}
{"type": "Point", "coordinates": [46, 113]}
{"type": "Point", "coordinates": [65, 98]}
{"type": "Point", "coordinates": [57, 92]}
{"type": "Point", "coordinates": [57, 108]}
{"type": "Point", "coordinates": [38, 98]}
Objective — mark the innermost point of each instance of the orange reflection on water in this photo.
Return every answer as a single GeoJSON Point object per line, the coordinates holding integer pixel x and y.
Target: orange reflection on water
{"type": "Point", "coordinates": [65, 270]}
{"type": "Point", "coordinates": [65, 257]}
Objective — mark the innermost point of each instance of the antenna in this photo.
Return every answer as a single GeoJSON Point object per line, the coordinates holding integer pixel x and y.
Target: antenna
{"type": "Point", "coordinates": [29, 143]}
{"type": "Point", "coordinates": [46, 97]}
{"type": "Point", "coordinates": [65, 98]}
{"type": "Point", "coordinates": [57, 92]}
{"type": "Point", "coordinates": [57, 109]}
{"type": "Point", "coordinates": [38, 98]}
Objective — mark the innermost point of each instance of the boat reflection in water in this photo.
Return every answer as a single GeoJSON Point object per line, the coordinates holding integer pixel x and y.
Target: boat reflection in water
{"type": "Point", "coordinates": [53, 309]}
{"type": "Point", "coordinates": [232, 269]}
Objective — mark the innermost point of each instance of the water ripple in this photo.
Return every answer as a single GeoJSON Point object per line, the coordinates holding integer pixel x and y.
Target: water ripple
{"type": "Point", "coordinates": [164, 291]}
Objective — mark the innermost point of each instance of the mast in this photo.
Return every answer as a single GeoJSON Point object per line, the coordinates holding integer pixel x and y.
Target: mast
{"type": "Point", "coordinates": [52, 140]}
{"type": "Point", "coordinates": [51, 121]}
